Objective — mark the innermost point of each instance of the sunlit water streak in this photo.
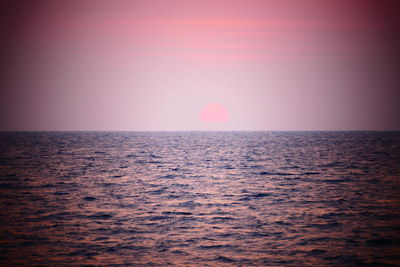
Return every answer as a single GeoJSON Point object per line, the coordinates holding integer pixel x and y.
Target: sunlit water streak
{"type": "Point", "coordinates": [200, 198]}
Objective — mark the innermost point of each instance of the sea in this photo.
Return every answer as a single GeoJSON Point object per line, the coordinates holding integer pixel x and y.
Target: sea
{"type": "Point", "coordinates": [200, 198]}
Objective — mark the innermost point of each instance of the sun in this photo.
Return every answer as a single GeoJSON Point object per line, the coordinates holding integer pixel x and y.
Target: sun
{"type": "Point", "coordinates": [214, 113]}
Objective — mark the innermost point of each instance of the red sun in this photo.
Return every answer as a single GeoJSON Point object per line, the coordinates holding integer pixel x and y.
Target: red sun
{"type": "Point", "coordinates": [214, 113]}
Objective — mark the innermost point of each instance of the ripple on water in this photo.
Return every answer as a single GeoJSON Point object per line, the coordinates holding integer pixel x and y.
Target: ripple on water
{"type": "Point", "coordinates": [200, 198]}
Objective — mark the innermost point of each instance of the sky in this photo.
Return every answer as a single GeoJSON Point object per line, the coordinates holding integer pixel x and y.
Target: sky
{"type": "Point", "coordinates": [158, 65]}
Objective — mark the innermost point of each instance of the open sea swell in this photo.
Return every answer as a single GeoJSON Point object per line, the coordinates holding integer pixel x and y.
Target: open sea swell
{"type": "Point", "coordinates": [200, 198]}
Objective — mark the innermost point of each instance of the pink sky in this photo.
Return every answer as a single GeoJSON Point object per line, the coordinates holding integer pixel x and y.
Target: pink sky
{"type": "Point", "coordinates": [154, 65]}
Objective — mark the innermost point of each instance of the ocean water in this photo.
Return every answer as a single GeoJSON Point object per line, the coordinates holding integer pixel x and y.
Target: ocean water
{"type": "Point", "coordinates": [200, 198]}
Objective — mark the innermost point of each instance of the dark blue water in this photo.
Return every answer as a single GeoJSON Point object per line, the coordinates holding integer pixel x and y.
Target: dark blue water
{"type": "Point", "coordinates": [200, 198]}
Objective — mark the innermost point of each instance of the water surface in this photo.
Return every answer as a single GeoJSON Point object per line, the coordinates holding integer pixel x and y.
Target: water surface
{"type": "Point", "coordinates": [200, 198]}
